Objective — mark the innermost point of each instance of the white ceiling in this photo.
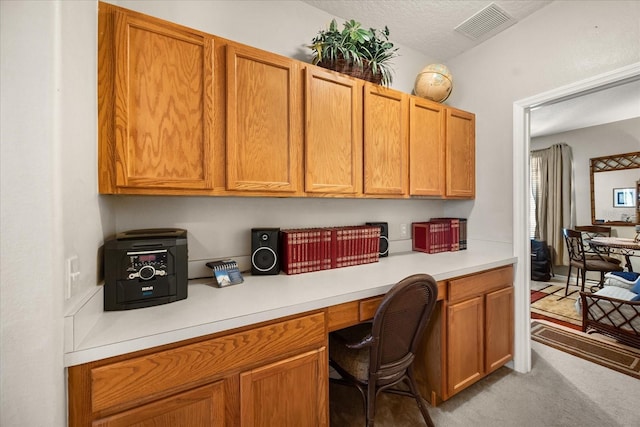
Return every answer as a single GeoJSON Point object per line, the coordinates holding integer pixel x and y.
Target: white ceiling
{"type": "Point", "coordinates": [428, 26]}
{"type": "Point", "coordinates": [609, 105]}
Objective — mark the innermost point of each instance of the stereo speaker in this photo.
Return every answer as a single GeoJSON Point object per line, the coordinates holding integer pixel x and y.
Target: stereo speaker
{"type": "Point", "coordinates": [384, 237]}
{"type": "Point", "coordinates": [264, 251]}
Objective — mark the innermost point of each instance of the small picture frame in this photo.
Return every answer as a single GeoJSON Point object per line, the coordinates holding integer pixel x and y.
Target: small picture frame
{"type": "Point", "coordinates": [624, 197]}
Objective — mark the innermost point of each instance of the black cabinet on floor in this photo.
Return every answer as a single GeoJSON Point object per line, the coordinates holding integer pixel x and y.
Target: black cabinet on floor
{"type": "Point", "coordinates": [540, 261]}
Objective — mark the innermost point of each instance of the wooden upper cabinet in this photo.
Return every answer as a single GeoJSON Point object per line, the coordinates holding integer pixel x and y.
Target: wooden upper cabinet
{"type": "Point", "coordinates": [188, 113]}
{"type": "Point", "coordinates": [427, 148]}
{"type": "Point", "coordinates": [461, 152]}
{"type": "Point", "coordinates": [333, 137]}
{"type": "Point", "coordinates": [155, 104]}
{"type": "Point", "coordinates": [386, 157]}
{"type": "Point", "coordinates": [264, 131]}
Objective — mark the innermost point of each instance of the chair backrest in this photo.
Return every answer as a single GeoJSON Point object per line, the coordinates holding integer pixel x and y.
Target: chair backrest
{"type": "Point", "coordinates": [575, 246]}
{"type": "Point", "coordinates": [398, 326]}
{"type": "Point", "coordinates": [591, 231]}
{"type": "Point", "coordinates": [594, 230]}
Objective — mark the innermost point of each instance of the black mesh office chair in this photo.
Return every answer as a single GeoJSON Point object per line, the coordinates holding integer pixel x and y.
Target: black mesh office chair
{"type": "Point", "coordinates": [379, 355]}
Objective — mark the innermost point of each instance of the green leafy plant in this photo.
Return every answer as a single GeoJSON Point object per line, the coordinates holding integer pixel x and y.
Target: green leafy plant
{"type": "Point", "coordinates": [357, 47]}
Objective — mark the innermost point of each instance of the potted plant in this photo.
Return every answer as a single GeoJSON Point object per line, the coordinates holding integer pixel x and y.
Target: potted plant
{"type": "Point", "coordinates": [356, 51]}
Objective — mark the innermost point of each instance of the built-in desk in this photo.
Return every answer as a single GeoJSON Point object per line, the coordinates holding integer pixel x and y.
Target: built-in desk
{"type": "Point", "coordinates": [240, 344]}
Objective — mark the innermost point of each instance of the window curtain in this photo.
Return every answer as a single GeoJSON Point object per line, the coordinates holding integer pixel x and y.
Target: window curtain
{"type": "Point", "coordinates": [552, 189]}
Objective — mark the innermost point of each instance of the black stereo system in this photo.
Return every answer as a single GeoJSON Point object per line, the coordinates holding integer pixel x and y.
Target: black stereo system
{"type": "Point", "coordinates": [265, 258]}
{"type": "Point", "coordinates": [144, 268]}
{"type": "Point", "coordinates": [384, 237]}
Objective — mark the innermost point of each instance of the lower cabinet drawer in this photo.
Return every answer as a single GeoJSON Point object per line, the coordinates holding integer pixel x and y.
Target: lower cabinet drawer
{"type": "Point", "coordinates": [367, 308]}
{"type": "Point", "coordinates": [480, 283]}
{"type": "Point", "coordinates": [200, 407]}
{"type": "Point", "coordinates": [155, 375]}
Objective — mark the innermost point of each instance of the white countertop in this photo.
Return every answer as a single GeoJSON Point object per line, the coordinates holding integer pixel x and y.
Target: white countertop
{"type": "Point", "coordinates": [93, 334]}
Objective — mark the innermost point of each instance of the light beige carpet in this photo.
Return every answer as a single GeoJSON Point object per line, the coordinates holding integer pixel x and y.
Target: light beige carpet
{"type": "Point", "coordinates": [560, 391]}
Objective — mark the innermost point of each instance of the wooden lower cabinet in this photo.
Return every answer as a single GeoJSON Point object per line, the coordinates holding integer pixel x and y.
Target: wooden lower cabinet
{"type": "Point", "coordinates": [499, 328]}
{"type": "Point", "coordinates": [291, 392]}
{"type": "Point", "coordinates": [203, 406]}
{"type": "Point", "coordinates": [276, 373]}
{"type": "Point", "coordinates": [465, 333]}
{"type": "Point", "coordinates": [469, 336]}
{"type": "Point", "coordinates": [271, 374]}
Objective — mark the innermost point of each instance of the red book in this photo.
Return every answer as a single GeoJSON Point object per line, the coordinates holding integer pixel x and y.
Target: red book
{"type": "Point", "coordinates": [327, 240]}
{"type": "Point", "coordinates": [313, 249]}
{"type": "Point", "coordinates": [428, 237]}
{"type": "Point", "coordinates": [455, 234]}
{"type": "Point", "coordinates": [454, 231]}
{"type": "Point", "coordinates": [420, 237]}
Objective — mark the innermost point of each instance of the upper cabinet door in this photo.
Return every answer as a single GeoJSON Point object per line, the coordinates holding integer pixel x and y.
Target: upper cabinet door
{"type": "Point", "coordinates": [333, 137]}
{"type": "Point", "coordinates": [386, 157]}
{"type": "Point", "coordinates": [264, 132]}
{"type": "Point", "coordinates": [461, 154]}
{"type": "Point", "coordinates": [163, 111]}
{"type": "Point", "coordinates": [426, 145]}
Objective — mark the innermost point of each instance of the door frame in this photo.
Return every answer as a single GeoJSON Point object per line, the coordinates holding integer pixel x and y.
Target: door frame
{"type": "Point", "coordinates": [521, 148]}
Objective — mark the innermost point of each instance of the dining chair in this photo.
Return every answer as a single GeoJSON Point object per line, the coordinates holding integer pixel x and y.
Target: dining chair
{"type": "Point", "coordinates": [579, 259]}
{"type": "Point", "coordinates": [591, 231]}
{"type": "Point", "coordinates": [377, 356]}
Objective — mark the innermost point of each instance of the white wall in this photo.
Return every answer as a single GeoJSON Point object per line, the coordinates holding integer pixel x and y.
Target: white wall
{"type": "Point", "coordinates": [284, 27]}
{"type": "Point", "coordinates": [596, 141]}
{"type": "Point", "coordinates": [50, 209]}
{"type": "Point", "coordinates": [219, 227]}
{"type": "Point", "coordinates": [31, 371]}
{"type": "Point", "coordinates": [562, 43]}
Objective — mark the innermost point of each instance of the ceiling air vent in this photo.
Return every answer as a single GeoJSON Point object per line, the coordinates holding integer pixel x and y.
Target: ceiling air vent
{"type": "Point", "coordinates": [491, 19]}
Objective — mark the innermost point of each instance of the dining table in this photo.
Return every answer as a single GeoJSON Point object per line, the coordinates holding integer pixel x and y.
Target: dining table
{"type": "Point", "coordinates": [616, 245]}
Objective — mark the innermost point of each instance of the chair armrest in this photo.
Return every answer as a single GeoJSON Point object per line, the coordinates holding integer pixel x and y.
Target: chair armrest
{"type": "Point", "coordinates": [354, 337]}
{"type": "Point", "coordinates": [364, 342]}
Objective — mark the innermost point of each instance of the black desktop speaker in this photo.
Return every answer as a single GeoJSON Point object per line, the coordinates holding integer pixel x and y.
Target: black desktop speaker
{"type": "Point", "coordinates": [264, 251]}
{"type": "Point", "coordinates": [384, 237]}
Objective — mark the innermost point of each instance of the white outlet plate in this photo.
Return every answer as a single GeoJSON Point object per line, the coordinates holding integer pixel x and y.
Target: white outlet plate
{"type": "Point", "coordinates": [72, 274]}
{"type": "Point", "coordinates": [404, 233]}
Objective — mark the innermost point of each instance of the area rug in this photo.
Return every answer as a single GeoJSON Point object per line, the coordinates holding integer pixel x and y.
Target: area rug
{"type": "Point", "coordinates": [549, 302]}
{"type": "Point", "coordinates": [616, 357]}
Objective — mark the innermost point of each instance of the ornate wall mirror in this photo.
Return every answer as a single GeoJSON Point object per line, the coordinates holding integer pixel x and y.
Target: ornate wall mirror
{"type": "Point", "coordinates": [613, 179]}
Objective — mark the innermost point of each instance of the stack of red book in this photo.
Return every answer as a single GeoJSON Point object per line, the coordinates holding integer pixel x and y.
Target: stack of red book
{"type": "Point", "coordinates": [313, 249]}
{"type": "Point", "coordinates": [439, 235]}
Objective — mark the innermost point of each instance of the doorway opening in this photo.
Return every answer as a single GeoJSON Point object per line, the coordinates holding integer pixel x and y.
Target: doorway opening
{"type": "Point", "coordinates": [521, 203]}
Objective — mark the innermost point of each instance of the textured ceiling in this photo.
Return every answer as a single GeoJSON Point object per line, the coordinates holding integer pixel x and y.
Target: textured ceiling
{"type": "Point", "coordinates": [613, 104]}
{"type": "Point", "coordinates": [427, 26]}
